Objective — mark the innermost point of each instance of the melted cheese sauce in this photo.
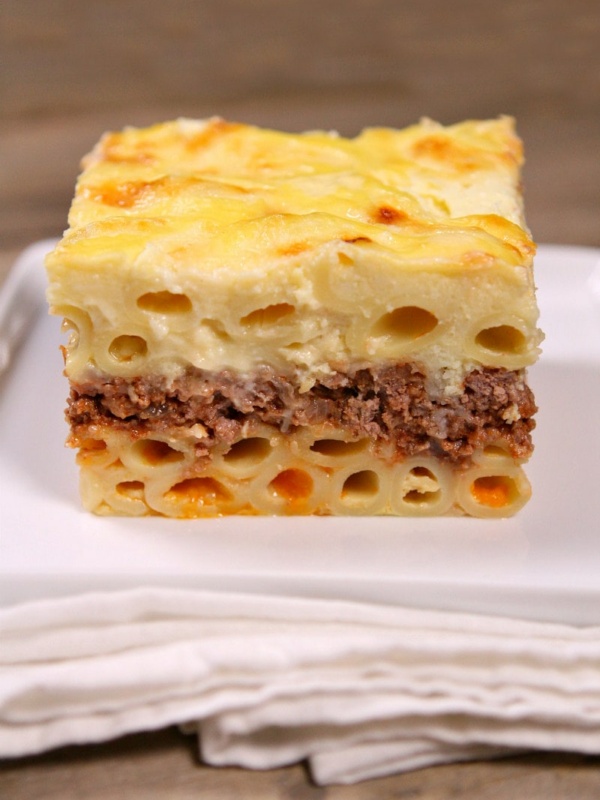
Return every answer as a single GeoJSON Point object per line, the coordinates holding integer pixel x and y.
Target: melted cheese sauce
{"type": "Point", "coordinates": [403, 182]}
{"type": "Point", "coordinates": [231, 224]}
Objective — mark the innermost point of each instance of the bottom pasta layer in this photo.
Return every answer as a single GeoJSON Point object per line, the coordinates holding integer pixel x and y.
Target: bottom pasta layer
{"type": "Point", "coordinates": [370, 441]}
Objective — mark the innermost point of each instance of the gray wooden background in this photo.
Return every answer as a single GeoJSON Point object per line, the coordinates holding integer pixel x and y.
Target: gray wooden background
{"type": "Point", "coordinates": [70, 69]}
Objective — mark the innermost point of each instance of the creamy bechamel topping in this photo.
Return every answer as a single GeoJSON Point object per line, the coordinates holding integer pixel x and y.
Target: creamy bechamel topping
{"type": "Point", "coordinates": [218, 244]}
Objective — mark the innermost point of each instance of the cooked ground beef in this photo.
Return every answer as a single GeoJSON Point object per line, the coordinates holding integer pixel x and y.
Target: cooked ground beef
{"type": "Point", "coordinates": [389, 405]}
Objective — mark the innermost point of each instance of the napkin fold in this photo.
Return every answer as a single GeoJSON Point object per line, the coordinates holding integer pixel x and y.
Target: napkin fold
{"type": "Point", "coordinates": [358, 690]}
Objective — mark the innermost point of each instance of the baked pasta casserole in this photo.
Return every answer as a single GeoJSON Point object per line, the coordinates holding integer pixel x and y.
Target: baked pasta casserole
{"type": "Point", "coordinates": [273, 323]}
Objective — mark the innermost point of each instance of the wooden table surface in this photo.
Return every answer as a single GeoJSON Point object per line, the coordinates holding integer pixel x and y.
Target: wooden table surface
{"type": "Point", "coordinates": [71, 70]}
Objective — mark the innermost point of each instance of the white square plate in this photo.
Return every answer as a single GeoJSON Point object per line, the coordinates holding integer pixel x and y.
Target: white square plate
{"type": "Point", "coordinates": [542, 564]}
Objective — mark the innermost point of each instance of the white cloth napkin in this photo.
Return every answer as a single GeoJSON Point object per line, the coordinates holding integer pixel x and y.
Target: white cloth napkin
{"type": "Point", "coordinates": [359, 690]}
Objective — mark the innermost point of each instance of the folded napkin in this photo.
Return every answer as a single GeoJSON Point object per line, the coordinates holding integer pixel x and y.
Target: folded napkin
{"type": "Point", "coordinates": [359, 690]}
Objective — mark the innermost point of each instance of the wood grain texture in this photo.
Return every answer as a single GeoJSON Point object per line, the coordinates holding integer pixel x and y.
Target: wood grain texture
{"type": "Point", "coordinates": [72, 69]}
{"type": "Point", "coordinates": [165, 765]}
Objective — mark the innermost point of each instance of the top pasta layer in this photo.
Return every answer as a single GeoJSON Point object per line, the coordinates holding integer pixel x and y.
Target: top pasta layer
{"type": "Point", "coordinates": [218, 244]}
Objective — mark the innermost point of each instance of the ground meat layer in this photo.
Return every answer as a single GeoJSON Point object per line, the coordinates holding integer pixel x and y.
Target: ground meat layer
{"type": "Point", "coordinates": [390, 405]}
